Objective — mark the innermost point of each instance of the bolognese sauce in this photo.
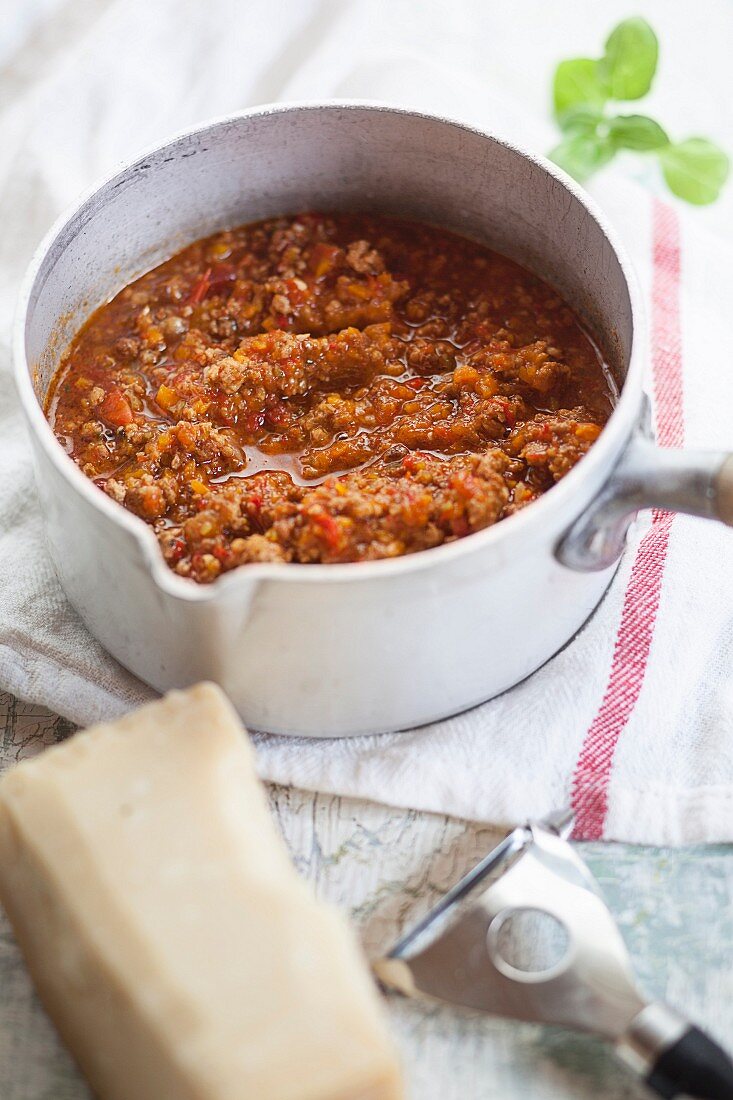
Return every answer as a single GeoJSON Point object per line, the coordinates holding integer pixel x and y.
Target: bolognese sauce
{"type": "Point", "coordinates": [328, 388]}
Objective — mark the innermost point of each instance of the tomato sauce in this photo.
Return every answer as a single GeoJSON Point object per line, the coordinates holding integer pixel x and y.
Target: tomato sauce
{"type": "Point", "coordinates": [328, 388]}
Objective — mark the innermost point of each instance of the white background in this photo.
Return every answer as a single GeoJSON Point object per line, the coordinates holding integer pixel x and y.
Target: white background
{"type": "Point", "coordinates": [408, 51]}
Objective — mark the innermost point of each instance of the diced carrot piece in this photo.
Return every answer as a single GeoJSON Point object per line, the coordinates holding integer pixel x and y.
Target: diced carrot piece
{"type": "Point", "coordinates": [166, 397]}
{"type": "Point", "coordinates": [465, 375]}
{"type": "Point", "coordinates": [186, 436]}
{"type": "Point", "coordinates": [360, 290]}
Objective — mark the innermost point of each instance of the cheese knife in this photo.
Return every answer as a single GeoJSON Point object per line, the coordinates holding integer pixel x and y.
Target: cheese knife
{"type": "Point", "coordinates": [526, 934]}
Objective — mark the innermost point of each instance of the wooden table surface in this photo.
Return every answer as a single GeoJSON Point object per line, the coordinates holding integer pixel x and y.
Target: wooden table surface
{"type": "Point", "coordinates": [386, 867]}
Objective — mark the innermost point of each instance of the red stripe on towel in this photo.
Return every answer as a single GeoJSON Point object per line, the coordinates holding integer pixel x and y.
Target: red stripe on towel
{"type": "Point", "coordinates": [641, 601]}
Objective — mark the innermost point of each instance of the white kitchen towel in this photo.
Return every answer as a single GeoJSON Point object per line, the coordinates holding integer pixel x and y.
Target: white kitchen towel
{"type": "Point", "coordinates": [632, 722]}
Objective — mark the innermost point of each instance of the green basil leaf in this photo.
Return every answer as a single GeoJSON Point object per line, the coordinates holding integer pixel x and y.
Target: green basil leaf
{"type": "Point", "coordinates": [695, 170]}
{"type": "Point", "coordinates": [581, 119]}
{"type": "Point", "coordinates": [630, 60]}
{"type": "Point", "coordinates": [581, 155]}
{"type": "Point", "coordinates": [636, 132]}
{"type": "Point", "coordinates": [577, 81]}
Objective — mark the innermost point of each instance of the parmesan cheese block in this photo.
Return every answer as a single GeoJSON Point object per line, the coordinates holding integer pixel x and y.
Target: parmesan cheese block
{"type": "Point", "coordinates": [173, 944]}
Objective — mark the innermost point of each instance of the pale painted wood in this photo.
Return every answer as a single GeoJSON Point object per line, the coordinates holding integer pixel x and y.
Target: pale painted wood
{"type": "Point", "coordinates": [386, 867]}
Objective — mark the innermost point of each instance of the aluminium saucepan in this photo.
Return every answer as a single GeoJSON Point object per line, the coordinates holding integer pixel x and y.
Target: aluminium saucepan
{"type": "Point", "coordinates": [334, 650]}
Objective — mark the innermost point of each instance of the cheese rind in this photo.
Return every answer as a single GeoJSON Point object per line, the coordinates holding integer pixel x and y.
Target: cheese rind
{"type": "Point", "coordinates": [173, 944]}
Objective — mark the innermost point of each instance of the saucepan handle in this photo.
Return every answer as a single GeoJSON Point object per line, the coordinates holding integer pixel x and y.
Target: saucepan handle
{"type": "Point", "coordinates": [724, 491]}
{"type": "Point", "coordinates": [699, 483]}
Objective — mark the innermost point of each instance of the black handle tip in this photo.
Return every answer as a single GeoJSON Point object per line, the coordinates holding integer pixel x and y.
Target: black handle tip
{"type": "Point", "coordinates": [693, 1066]}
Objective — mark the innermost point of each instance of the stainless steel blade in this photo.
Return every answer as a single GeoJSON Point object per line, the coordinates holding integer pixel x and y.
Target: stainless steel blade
{"type": "Point", "coordinates": [456, 954]}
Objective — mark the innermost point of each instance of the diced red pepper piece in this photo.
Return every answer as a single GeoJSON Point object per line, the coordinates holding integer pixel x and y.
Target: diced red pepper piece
{"type": "Point", "coordinates": [220, 277]}
{"type": "Point", "coordinates": [176, 551]}
{"type": "Point", "coordinates": [323, 258]}
{"type": "Point", "coordinates": [442, 435]}
{"type": "Point", "coordinates": [278, 415]}
{"type": "Point", "coordinates": [115, 409]}
{"type": "Point", "coordinates": [330, 529]}
{"type": "Point", "coordinates": [253, 421]}
{"type": "Point", "coordinates": [296, 289]}
{"type": "Point", "coordinates": [508, 411]}
{"type": "Point", "coordinates": [200, 288]}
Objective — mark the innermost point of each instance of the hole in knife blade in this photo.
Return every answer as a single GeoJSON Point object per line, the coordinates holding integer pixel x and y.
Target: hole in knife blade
{"type": "Point", "coordinates": [527, 944]}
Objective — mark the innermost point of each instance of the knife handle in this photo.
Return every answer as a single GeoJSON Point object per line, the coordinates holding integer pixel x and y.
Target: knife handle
{"type": "Point", "coordinates": [693, 1066]}
{"type": "Point", "coordinates": [675, 1058]}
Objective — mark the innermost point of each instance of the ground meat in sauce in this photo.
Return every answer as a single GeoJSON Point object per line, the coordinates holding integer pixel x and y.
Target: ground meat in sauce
{"type": "Point", "coordinates": [327, 388]}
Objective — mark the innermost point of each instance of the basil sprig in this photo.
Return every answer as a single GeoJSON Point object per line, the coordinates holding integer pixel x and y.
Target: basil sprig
{"type": "Point", "coordinates": [583, 91]}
